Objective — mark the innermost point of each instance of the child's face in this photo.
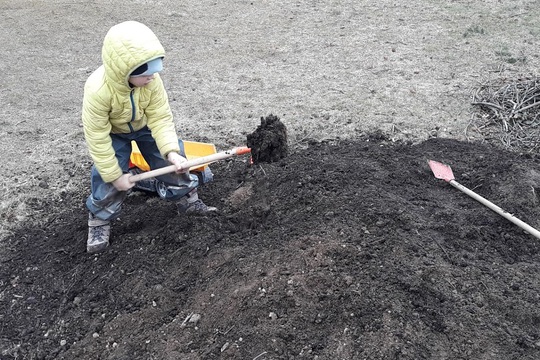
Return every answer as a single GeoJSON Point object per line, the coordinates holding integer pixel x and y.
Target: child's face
{"type": "Point", "coordinates": [140, 81]}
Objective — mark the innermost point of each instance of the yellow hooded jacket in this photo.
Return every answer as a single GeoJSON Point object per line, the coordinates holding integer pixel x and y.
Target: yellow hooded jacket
{"type": "Point", "coordinates": [111, 105]}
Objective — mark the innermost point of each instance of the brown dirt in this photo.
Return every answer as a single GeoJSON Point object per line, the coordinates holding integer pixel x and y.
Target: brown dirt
{"type": "Point", "coordinates": [347, 248]}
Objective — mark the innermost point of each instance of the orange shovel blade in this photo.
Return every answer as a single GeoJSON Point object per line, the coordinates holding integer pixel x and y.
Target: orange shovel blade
{"type": "Point", "coordinates": [441, 171]}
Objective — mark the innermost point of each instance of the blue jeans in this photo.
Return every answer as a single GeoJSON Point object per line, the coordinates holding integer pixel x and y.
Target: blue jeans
{"type": "Point", "coordinates": [105, 201]}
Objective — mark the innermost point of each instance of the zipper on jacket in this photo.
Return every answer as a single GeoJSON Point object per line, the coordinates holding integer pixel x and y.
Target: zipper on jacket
{"type": "Point", "coordinates": [132, 110]}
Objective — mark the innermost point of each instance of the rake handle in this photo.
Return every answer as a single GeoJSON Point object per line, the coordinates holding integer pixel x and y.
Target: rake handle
{"type": "Point", "coordinates": [190, 163]}
{"type": "Point", "coordinates": [497, 209]}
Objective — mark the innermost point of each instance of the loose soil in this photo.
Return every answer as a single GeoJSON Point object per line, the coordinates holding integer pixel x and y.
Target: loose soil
{"type": "Point", "coordinates": [347, 250]}
{"type": "Point", "coordinates": [268, 143]}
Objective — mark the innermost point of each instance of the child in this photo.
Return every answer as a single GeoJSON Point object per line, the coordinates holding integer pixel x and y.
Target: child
{"type": "Point", "coordinates": [125, 100]}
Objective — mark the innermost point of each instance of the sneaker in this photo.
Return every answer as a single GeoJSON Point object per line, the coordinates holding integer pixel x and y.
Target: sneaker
{"type": "Point", "coordinates": [197, 206]}
{"type": "Point", "coordinates": [191, 204]}
{"type": "Point", "coordinates": [99, 232]}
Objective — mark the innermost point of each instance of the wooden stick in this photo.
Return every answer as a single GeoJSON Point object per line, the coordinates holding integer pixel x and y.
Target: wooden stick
{"type": "Point", "coordinates": [190, 163]}
{"type": "Point", "coordinates": [497, 209]}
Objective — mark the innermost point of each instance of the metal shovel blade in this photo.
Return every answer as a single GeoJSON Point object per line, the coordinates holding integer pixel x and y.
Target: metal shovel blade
{"type": "Point", "coordinates": [441, 171]}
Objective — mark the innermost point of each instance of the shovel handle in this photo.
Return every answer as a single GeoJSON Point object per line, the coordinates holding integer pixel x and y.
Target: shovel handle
{"type": "Point", "coordinates": [190, 163]}
{"type": "Point", "coordinates": [497, 209]}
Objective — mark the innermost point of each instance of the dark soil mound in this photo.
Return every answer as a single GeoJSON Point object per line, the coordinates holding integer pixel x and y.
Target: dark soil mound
{"type": "Point", "coordinates": [268, 142]}
{"type": "Point", "coordinates": [346, 250]}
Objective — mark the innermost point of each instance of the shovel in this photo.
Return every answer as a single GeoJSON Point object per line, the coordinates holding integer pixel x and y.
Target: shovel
{"type": "Point", "coordinates": [442, 171]}
{"type": "Point", "coordinates": [110, 203]}
{"type": "Point", "coordinates": [204, 160]}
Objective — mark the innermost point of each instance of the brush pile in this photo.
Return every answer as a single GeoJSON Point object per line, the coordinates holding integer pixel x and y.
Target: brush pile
{"type": "Point", "coordinates": [509, 109]}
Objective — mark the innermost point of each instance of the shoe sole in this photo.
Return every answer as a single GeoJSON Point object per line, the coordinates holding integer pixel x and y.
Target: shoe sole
{"type": "Point", "coordinates": [92, 249]}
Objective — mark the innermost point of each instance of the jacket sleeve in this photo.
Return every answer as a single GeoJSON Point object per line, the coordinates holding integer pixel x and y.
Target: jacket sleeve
{"type": "Point", "coordinates": [160, 119]}
{"type": "Point", "coordinates": [97, 129]}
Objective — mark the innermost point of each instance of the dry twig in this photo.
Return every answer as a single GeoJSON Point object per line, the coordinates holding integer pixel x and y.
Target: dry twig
{"type": "Point", "coordinates": [258, 356]}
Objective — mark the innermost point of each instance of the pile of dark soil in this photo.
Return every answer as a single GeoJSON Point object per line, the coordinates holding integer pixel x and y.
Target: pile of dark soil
{"type": "Point", "coordinates": [268, 142]}
{"type": "Point", "coordinates": [345, 250]}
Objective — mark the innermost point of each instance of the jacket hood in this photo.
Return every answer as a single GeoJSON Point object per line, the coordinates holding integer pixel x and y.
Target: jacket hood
{"type": "Point", "coordinates": [127, 46]}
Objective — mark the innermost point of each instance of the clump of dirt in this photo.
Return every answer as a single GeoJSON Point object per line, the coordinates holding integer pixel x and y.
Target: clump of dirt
{"type": "Point", "coordinates": [268, 142]}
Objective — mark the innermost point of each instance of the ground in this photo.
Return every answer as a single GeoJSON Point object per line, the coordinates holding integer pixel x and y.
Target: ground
{"type": "Point", "coordinates": [363, 254]}
{"type": "Point", "coordinates": [347, 247]}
